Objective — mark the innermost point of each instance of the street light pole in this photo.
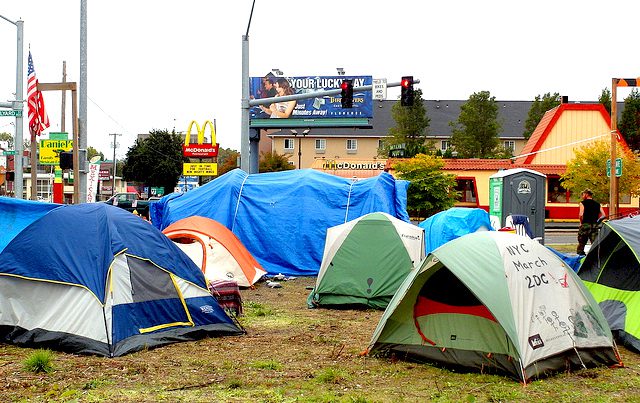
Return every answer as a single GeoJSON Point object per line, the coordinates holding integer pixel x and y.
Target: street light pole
{"type": "Point", "coordinates": [295, 135]}
{"type": "Point", "coordinates": [245, 158]}
{"type": "Point", "coordinates": [17, 106]}
{"type": "Point", "coordinates": [82, 108]}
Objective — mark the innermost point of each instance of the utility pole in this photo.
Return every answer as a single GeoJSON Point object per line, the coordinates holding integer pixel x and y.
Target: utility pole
{"type": "Point", "coordinates": [613, 179]}
{"type": "Point", "coordinates": [64, 97]}
{"type": "Point", "coordinates": [115, 145]}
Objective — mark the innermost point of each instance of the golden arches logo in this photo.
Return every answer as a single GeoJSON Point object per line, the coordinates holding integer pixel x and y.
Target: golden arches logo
{"type": "Point", "coordinates": [202, 149]}
{"type": "Point", "coordinates": [201, 131]}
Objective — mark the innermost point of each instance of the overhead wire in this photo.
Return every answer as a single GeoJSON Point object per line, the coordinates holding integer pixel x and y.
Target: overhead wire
{"type": "Point", "coordinates": [124, 128]}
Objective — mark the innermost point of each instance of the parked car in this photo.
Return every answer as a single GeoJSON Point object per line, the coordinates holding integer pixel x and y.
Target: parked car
{"type": "Point", "coordinates": [130, 201]}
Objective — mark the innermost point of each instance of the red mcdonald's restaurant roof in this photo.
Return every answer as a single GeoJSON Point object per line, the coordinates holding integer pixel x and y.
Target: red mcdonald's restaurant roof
{"type": "Point", "coordinates": [476, 164]}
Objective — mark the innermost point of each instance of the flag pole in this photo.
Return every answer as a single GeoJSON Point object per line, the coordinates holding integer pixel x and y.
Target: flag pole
{"type": "Point", "coordinates": [34, 166]}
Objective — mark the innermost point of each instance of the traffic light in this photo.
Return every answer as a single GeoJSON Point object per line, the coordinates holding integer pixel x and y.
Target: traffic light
{"type": "Point", "coordinates": [66, 160]}
{"type": "Point", "coordinates": [10, 176]}
{"type": "Point", "coordinates": [406, 94]}
{"type": "Point", "coordinates": [347, 93]}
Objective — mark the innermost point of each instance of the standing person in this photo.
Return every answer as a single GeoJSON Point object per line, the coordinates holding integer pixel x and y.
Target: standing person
{"type": "Point", "coordinates": [281, 109]}
{"type": "Point", "coordinates": [590, 213]}
{"type": "Point", "coordinates": [268, 84]}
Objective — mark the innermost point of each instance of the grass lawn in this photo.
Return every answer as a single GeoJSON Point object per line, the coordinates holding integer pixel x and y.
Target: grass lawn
{"type": "Point", "coordinates": [291, 354]}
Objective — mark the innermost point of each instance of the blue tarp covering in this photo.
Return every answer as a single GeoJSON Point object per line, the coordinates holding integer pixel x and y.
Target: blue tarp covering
{"type": "Point", "coordinates": [282, 217]}
{"type": "Point", "coordinates": [76, 244]}
{"type": "Point", "coordinates": [572, 260]}
{"type": "Point", "coordinates": [16, 215]}
{"type": "Point", "coordinates": [453, 223]}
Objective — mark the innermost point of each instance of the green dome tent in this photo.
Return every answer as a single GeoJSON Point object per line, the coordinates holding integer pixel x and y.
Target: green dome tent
{"type": "Point", "coordinates": [611, 272]}
{"type": "Point", "coordinates": [498, 303]}
{"type": "Point", "coordinates": [365, 260]}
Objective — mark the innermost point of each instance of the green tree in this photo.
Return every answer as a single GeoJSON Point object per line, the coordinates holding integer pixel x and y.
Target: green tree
{"type": "Point", "coordinates": [227, 160]}
{"type": "Point", "coordinates": [8, 137]}
{"type": "Point", "coordinates": [629, 125]}
{"type": "Point", "coordinates": [588, 169]}
{"type": "Point", "coordinates": [541, 104]}
{"type": "Point", "coordinates": [475, 133]}
{"type": "Point", "coordinates": [92, 152]}
{"type": "Point", "coordinates": [605, 99]}
{"type": "Point", "coordinates": [155, 161]}
{"type": "Point", "coordinates": [410, 131]}
{"type": "Point", "coordinates": [431, 189]}
{"type": "Point", "coordinates": [273, 162]}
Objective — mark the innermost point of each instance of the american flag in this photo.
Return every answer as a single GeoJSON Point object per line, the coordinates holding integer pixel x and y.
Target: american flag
{"type": "Point", "coordinates": [38, 119]}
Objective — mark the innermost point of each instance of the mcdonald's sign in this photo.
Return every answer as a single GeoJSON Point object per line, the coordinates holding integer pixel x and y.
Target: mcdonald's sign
{"type": "Point", "coordinates": [202, 149]}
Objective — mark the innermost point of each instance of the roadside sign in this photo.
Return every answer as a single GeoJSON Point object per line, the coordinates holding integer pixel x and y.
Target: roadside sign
{"type": "Point", "coordinates": [618, 167]}
{"type": "Point", "coordinates": [9, 152]}
{"type": "Point", "coordinates": [11, 112]}
{"type": "Point", "coordinates": [379, 89]}
{"type": "Point", "coordinates": [50, 150]}
{"type": "Point", "coordinates": [200, 169]}
{"type": "Point", "coordinates": [200, 150]}
{"type": "Point", "coordinates": [58, 136]}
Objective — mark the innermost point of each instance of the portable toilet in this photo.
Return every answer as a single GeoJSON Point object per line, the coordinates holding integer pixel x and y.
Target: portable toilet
{"type": "Point", "coordinates": [518, 191]}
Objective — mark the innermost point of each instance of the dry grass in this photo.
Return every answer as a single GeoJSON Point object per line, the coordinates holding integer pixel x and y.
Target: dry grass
{"type": "Point", "coordinates": [290, 354]}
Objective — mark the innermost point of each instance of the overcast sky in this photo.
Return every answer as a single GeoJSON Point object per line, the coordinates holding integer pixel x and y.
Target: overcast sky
{"type": "Point", "coordinates": [160, 64]}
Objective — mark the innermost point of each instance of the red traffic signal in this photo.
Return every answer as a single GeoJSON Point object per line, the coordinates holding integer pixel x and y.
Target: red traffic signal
{"type": "Point", "coordinates": [347, 93]}
{"type": "Point", "coordinates": [406, 91]}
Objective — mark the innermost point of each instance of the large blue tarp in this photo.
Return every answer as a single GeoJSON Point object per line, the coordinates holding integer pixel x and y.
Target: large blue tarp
{"type": "Point", "coordinates": [76, 244]}
{"type": "Point", "coordinates": [16, 215]}
{"type": "Point", "coordinates": [453, 223]}
{"type": "Point", "coordinates": [282, 217]}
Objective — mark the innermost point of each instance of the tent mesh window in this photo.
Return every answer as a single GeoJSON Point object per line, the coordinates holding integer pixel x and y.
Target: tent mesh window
{"type": "Point", "coordinates": [619, 258]}
{"type": "Point", "coordinates": [148, 283]}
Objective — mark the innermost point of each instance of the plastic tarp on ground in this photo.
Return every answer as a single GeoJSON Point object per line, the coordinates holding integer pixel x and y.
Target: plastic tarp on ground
{"type": "Point", "coordinates": [282, 217]}
{"type": "Point", "coordinates": [16, 215]}
{"type": "Point", "coordinates": [453, 223]}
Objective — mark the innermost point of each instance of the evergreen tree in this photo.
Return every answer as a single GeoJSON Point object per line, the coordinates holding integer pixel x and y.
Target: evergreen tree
{"type": "Point", "coordinates": [629, 125]}
{"type": "Point", "coordinates": [475, 133]}
{"type": "Point", "coordinates": [541, 104]}
{"type": "Point", "coordinates": [156, 161]}
{"type": "Point", "coordinates": [605, 99]}
{"type": "Point", "coordinates": [410, 131]}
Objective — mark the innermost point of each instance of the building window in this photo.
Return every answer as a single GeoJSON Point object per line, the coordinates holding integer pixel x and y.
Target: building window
{"type": "Point", "coordinates": [380, 143]}
{"type": "Point", "coordinates": [467, 191]}
{"type": "Point", "coordinates": [44, 189]}
{"type": "Point", "coordinates": [556, 193]}
{"type": "Point", "coordinates": [510, 145]}
{"type": "Point", "coordinates": [352, 145]}
{"type": "Point", "coordinates": [445, 145]}
{"type": "Point", "coordinates": [321, 145]}
{"type": "Point", "coordinates": [288, 144]}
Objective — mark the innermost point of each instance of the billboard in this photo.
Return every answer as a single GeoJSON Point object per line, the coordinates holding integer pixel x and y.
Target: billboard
{"type": "Point", "coordinates": [318, 111]}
